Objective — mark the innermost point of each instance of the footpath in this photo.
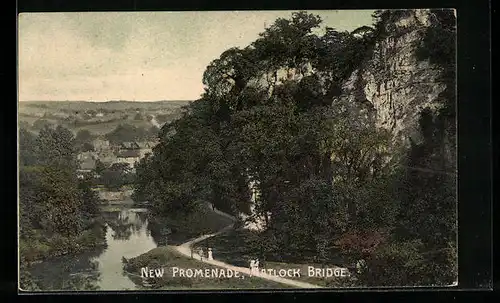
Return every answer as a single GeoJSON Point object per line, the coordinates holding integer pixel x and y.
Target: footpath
{"type": "Point", "coordinates": [185, 249]}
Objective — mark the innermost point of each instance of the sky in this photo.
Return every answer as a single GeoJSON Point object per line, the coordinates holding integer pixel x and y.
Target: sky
{"type": "Point", "coordinates": [137, 56]}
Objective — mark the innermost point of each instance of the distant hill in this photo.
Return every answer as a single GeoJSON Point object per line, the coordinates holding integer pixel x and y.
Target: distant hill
{"type": "Point", "coordinates": [98, 117]}
{"type": "Point", "coordinates": [114, 105]}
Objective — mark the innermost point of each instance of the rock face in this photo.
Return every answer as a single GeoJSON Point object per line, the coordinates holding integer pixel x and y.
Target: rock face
{"type": "Point", "coordinates": [395, 82]}
{"type": "Point", "coordinates": [253, 221]}
{"type": "Point", "coordinates": [267, 81]}
{"type": "Point", "coordinates": [392, 87]}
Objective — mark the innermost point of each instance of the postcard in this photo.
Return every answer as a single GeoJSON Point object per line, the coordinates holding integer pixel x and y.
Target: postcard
{"type": "Point", "coordinates": [237, 150]}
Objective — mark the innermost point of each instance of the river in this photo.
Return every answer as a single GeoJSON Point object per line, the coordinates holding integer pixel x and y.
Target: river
{"type": "Point", "coordinates": [127, 236]}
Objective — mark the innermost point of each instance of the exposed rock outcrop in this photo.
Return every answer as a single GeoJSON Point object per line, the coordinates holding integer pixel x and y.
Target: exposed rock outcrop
{"type": "Point", "coordinates": [395, 81]}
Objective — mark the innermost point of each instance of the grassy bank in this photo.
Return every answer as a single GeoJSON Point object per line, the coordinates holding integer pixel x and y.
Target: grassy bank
{"type": "Point", "coordinates": [237, 247]}
{"type": "Point", "coordinates": [183, 227]}
{"type": "Point", "coordinates": [167, 257]}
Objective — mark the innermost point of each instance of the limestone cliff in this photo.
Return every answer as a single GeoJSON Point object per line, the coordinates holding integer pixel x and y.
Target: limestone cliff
{"type": "Point", "coordinates": [395, 81]}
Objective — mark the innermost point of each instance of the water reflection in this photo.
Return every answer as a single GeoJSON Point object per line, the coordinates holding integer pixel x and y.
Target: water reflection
{"type": "Point", "coordinates": [127, 236]}
{"type": "Point", "coordinates": [164, 232]}
{"type": "Point", "coordinates": [125, 223]}
{"type": "Point", "coordinates": [72, 272]}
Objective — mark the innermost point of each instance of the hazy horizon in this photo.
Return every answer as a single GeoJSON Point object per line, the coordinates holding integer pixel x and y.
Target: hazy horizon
{"type": "Point", "coordinates": [137, 56]}
{"type": "Point", "coordinates": [104, 101]}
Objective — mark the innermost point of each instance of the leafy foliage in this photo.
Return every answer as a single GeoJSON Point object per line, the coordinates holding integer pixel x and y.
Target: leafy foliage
{"type": "Point", "coordinates": [53, 203]}
{"type": "Point", "coordinates": [324, 178]}
{"type": "Point", "coordinates": [115, 176]}
{"type": "Point", "coordinates": [125, 133]}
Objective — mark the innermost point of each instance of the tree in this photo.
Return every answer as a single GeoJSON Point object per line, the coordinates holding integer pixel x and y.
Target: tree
{"type": "Point", "coordinates": [152, 132]}
{"type": "Point", "coordinates": [56, 147]}
{"type": "Point", "coordinates": [87, 147]}
{"type": "Point", "coordinates": [41, 123]}
{"type": "Point", "coordinates": [112, 179]}
{"type": "Point", "coordinates": [27, 148]}
{"type": "Point", "coordinates": [124, 133]}
{"type": "Point", "coordinates": [90, 199]}
{"type": "Point", "coordinates": [99, 166]}
{"type": "Point", "coordinates": [117, 175]}
{"type": "Point", "coordinates": [29, 183]}
{"type": "Point", "coordinates": [59, 202]}
{"type": "Point", "coordinates": [83, 136]}
{"type": "Point", "coordinates": [143, 178]}
{"type": "Point", "coordinates": [234, 67]}
{"type": "Point", "coordinates": [320, 163]}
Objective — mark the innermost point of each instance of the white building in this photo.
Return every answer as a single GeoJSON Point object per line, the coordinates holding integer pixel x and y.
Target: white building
{"type": "Point", "coordinates": [128, 156]}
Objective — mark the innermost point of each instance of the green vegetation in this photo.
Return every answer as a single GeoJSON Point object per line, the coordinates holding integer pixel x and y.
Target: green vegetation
{"type": "Point", "coordinates": [97, 117]}
{"type": "Point", "coordinates": [58, 212]}
{"type": "Point", "coordinates": [125, 133]}
{"type": "Point", "coordinates": [328, 178]}
{"type": "Point", "coordinates": [115, 176]}
{"type": "Point", "coordinates": [424, 243]}
{"type": "Point", "coordinates": [167, 257]}
{"type": "Point", "coordinates": [40, 247]}
{"type": "Point", "coordinates": [41, 123]}
{"type": "Point", "coordinates": [182, 227]}
{"type": "Point", "coordinates": [237, 247]}
{"type": "Point", "coordinates": [103, 128]}
{"type": "Point", "coordinates": [83, 140]}
{"type": "Point", "coordinates": [332, 187]}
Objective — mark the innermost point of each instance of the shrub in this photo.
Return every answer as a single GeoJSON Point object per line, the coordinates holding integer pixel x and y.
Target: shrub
{"type": "Point", "coordinates": [360, 244]}
{"type": "Point", "coordinates": [33, 250]}
{"type": "Point", "coordinates": [395, 264]}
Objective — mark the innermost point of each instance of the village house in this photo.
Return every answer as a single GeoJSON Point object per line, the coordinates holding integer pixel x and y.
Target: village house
{"type": "Point", "coordinates": [145, 148]}
{"type": "Point", "coordinates": [128, 156]}
{"type": "Point", "coordinates": [87, 163]}
{"type": "Point", "coordinates": [129, 146]}
{"type": "Point", "coordinates": [128, 152]}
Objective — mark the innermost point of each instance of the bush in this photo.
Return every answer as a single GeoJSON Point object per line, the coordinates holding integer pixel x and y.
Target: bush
{"type": "Point", "coordinates": [33, 250]}
{"type": "Point", "coordinates": [91, 238]}
{"type": "Point", "coordinates": [395, 264]}
{"type": "Point", "coordinates": [359, 245]}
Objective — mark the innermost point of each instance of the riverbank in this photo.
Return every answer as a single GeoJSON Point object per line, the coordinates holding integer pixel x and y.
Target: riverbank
{"type": "Point", "coordinates": [177, 229]}
{"type": "Point", "coordinates": [182, 267]}
{"type": "Point", "coordinates": [127, 235]}
{"type": "Point", "coordinates": [238, 246]}
{"type": "Point", "coordinates": [167, 258]}
{"type": "Point", "coordinates": [41, 247]}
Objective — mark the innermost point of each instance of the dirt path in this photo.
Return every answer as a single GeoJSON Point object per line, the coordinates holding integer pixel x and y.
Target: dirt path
{"type": "Point", "coordinates": [185, 249]}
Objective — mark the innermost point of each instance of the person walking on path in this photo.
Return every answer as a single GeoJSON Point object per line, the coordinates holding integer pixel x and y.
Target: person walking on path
{"type": "Point", "coordinates": [252, 266]}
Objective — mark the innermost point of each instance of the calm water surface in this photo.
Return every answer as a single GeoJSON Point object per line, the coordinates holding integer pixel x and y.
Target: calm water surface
{"type": "Point", "coordinates": [127, 236]}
